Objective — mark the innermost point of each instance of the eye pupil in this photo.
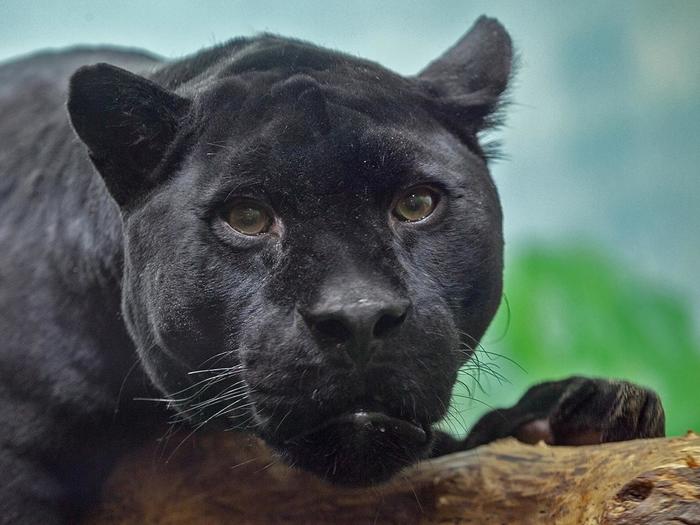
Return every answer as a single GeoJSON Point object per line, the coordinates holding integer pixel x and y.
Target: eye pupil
{"type": "Point", "coordinates": [249, 216]}
{"type": "Point", "coordinates": [249, 219]}
{"type": "Point", "coordinates": [415, 205]}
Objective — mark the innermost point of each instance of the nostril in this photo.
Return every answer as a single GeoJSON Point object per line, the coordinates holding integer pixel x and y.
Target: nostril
{"type": "Point", "coordinates": [386, 324]}
{"type": "Point", "coordinates": [333, 329]}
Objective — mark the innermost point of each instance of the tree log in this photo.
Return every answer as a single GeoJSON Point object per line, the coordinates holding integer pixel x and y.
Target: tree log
{"type": "Point", "coordinates": [229, 478]}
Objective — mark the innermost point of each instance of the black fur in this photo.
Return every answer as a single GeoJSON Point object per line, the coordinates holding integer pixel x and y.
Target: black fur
{"type": "Point", "coordinates": [118, 272]}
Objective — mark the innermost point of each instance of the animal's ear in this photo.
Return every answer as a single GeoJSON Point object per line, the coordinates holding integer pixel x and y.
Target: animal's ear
{"type": "Point", "coordinates": [127, 122]}
{"type": "Point", "coordinates": [467, 81]}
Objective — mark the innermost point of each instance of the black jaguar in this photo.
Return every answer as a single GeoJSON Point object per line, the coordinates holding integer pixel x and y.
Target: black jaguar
{"type": "Point", "coordinates": [268, 236]}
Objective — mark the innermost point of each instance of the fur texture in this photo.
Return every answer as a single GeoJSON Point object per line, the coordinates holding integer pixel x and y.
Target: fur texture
{"type": "Point", "coordinates": [336, 335]}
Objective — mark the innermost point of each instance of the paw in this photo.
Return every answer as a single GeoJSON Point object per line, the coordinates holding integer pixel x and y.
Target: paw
{"type": "Point", "coordinates": [590, 411]}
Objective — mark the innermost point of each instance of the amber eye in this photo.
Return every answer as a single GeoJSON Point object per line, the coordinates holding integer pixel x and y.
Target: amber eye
{"type": "Point", "coordinates": [416, 204]}
{"type": "Point", "coordinates": [249, 218]}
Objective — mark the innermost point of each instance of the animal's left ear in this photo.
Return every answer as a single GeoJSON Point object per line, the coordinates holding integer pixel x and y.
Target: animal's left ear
{"type": "Point", "coordinates": [127, 122]}
{"type": "Point", "coordinates": [467, 81]}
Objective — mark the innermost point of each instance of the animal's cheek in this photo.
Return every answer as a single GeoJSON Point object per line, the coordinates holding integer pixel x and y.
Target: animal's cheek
{"type": "Point", "coordinates": [461, 275]}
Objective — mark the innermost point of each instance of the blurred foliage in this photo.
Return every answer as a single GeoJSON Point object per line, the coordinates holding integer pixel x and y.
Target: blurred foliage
{"type": "Point", "coordinates": [572, 311]}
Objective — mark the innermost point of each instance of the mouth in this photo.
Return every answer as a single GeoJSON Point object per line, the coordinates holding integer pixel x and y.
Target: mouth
{"type": "Point", "coordinates": [368, 425]}
{"type": "Point", "coordinates": [358, 448]}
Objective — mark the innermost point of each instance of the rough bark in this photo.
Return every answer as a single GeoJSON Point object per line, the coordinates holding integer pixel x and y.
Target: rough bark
{"type": "Point", "coordinates": [222, 479]}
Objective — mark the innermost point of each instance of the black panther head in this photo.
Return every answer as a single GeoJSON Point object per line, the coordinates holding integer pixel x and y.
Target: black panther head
{"type": "Point", "coordinates": [311, 241]}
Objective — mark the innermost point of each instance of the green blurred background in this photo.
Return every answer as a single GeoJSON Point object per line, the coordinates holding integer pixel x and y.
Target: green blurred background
{"type": "Point", "coordinates": [600, 187]}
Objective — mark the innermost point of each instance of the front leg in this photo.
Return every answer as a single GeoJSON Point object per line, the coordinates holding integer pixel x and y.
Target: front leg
{"type": "Point", "coordinates": [573, 411]}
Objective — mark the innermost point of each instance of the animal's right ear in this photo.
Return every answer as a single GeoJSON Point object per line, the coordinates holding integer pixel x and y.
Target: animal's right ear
{"type": "Point", "coordinates": [127, 122]}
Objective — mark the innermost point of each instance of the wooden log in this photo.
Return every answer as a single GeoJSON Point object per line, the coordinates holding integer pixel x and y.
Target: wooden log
{"type": "Point", "coordinates": [230, 478]}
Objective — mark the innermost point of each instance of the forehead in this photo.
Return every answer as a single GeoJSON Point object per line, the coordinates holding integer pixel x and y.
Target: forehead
{"type": "Point", "coordinates": [337, 147]}
{"type": "Point", "coordinates": [348, 127]}
{"type": "Point", "coordinates": [350, 160]}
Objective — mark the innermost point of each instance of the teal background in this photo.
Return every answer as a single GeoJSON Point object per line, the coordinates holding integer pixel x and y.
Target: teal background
{"type": "Point", "coordinates": [600, 187]}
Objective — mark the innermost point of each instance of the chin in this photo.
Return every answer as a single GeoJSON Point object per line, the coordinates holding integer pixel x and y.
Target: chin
{"type": "Point", "coordinates": [358, 449]}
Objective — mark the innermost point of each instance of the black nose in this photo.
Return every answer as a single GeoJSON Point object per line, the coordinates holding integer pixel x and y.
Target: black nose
{"type": "Point", "coordinates": [357, 324]}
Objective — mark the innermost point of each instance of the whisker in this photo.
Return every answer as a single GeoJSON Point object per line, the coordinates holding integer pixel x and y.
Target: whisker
{"type": "Point", "coordinates": [227, 368]}
{"type": "Point", "coordinates": [251, 460]}
{"type": "Point", "coordinates": [198, 427]}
